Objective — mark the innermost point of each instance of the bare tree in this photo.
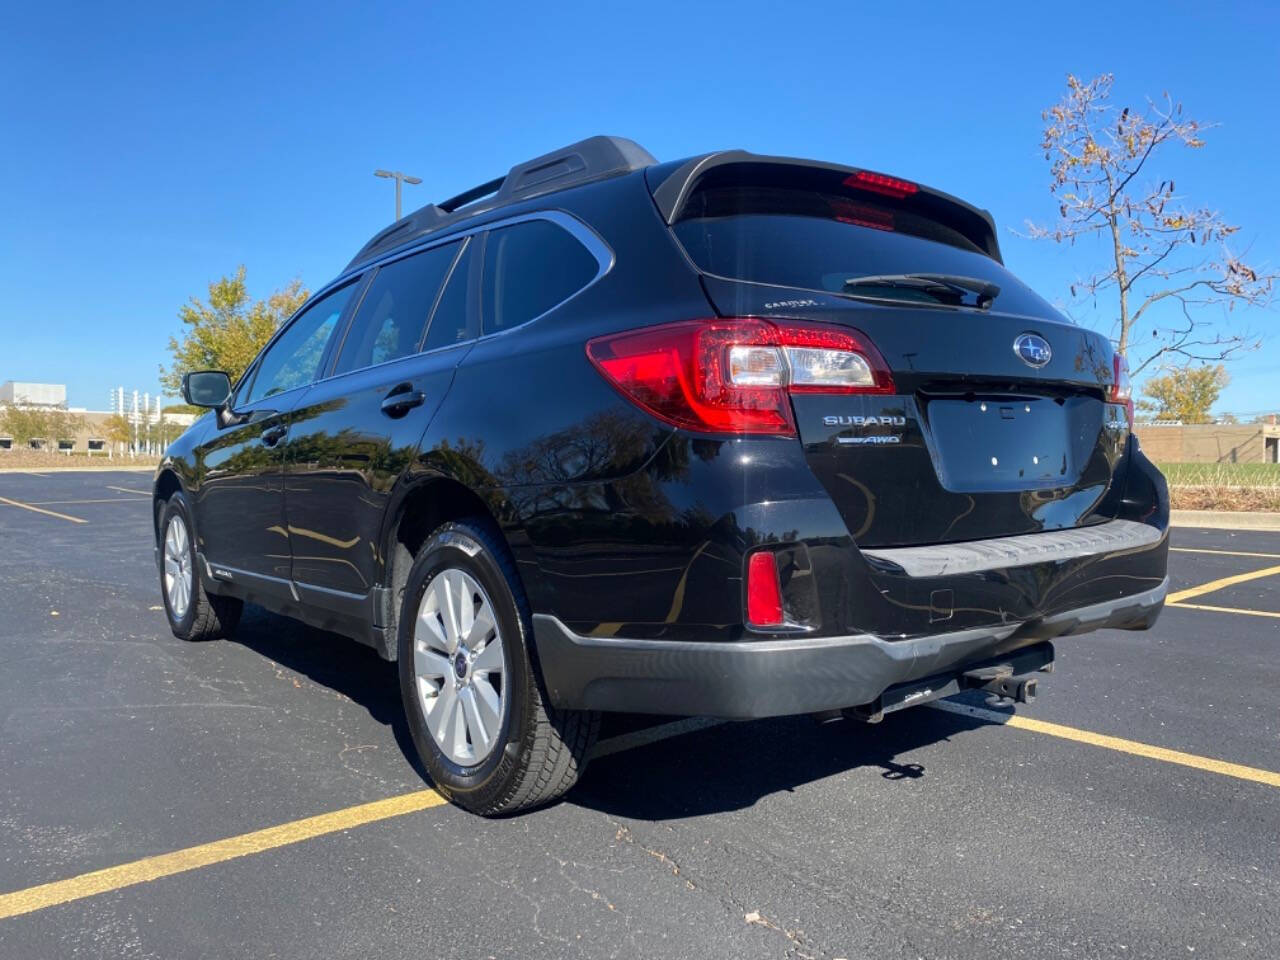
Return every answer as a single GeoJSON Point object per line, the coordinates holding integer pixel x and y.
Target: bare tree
{"type": "Point", "coordinates": [1161, 252]}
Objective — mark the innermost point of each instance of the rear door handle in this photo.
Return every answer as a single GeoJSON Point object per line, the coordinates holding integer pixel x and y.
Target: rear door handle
{"type": "Point", "coordinates": [402, 399]}
{"type": "Point", "coordinates": [274, 435]}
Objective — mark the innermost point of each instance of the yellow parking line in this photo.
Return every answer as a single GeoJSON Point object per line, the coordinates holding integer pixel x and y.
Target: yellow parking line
{"type": "Point", "coordinates": [219, 851]}
{"type": "Point", "coordinates": [1132, 747]}
{"type": "Point", "coordinates": [1225, 553]}
{"type": "Point", "coordinates": [163, 865]}
{"type": "Point", "coordinates": [1213, 585]}
{"type": "Point", "coordinates": [246, 844]}
{"type": "Point", "coordinates": [51, 513]}
{"type": "Point", "coordinates": [1248, 613]}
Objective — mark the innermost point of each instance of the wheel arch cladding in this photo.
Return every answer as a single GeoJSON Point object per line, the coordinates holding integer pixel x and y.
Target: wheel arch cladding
{"type": "Point", "coordinates": [166, 485]}
{"type": "Point", "coordinates": [418, 512]}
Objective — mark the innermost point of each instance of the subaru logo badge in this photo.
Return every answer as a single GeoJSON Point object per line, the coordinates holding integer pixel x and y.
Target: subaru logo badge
{"type": "Point", "coordinates": [1033, 349]}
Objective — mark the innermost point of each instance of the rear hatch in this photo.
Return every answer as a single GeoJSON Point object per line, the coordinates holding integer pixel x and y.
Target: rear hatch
{"type": "Point", "coordinates": [1000, 420]}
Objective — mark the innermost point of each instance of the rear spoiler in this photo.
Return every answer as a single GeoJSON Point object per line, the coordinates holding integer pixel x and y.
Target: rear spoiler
{"type": "Point", "coordinates": [672, 184]}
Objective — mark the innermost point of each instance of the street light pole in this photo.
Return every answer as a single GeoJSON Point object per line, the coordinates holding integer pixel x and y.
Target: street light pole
{"type": "Point", "coordinates": [399, 178]}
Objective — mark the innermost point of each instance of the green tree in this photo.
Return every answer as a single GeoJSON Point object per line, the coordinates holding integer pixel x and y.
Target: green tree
{"type": "Point", "coordinates": [168, 430]}
{"type": "Point", "coordinates": [226, 331]}
{"type": "Point", "coordinates": [1185, 393]}
{"type": "Point", "coordinates": [1169, 276]}
{"type": "Point", "coordinates": [24, 423]}
{"type": "Point", "coordinates": [118, 430]}
{"type": "Point", "coordinates": [62, 425]}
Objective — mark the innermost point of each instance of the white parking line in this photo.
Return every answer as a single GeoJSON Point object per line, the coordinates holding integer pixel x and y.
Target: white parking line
{"type": "Point", "coordinates": [1225, 553]}
{"type": "Point", "coordinates": [136, 493]}
{"type": "Point", "coordinates": [50, 513]}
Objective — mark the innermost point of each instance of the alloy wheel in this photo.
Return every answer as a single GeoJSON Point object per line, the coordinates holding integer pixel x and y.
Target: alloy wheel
{"type": "Point", "coordinates": [178, 579]}
{"type": "Point", "coordinates": [459, 667]}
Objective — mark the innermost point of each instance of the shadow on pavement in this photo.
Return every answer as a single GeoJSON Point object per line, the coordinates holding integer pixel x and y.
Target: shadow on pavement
{"type": "Point", "coordinates": [724, 768]}
{"type": "Point", "coordinates": [334, 661]}
{"type": "Point", "coordinates": [732, 766]}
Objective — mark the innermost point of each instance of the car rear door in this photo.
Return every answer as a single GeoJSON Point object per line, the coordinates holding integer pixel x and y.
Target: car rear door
{"type": "Point", "coordinates": [357, 431]}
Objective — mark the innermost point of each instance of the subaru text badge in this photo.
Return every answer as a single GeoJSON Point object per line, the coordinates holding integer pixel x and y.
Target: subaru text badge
{"type": "Point", "coordinates": [1033, 349]}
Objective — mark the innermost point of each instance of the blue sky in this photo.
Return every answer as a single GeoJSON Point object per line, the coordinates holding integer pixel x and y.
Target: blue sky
{"type": "Point", "coordinates": [146, 149]}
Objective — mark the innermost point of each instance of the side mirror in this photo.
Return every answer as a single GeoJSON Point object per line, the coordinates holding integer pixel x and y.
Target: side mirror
{"type": "Point", "coordinates": [206, 388]}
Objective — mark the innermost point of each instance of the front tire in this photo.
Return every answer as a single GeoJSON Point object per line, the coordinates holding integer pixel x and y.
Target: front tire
{"type": "Point", "coordinates": [193, 613]}
{"type": "Point", "coordinates": [476, 709]}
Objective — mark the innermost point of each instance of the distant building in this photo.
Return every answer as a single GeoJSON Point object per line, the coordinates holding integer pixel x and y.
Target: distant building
{"type": "Point", "coordinates": [34, 394]}
{"type": "Point", "coordinates": [91, 437]}
{"type": "Point", "coordinates": [1210, 442]}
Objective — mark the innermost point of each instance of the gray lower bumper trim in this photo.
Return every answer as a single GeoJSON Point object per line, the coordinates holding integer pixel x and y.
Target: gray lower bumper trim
{"type": "Point", "coordinates": [779, 677]}
{"type": "Point", "coordinates": [999, 553]}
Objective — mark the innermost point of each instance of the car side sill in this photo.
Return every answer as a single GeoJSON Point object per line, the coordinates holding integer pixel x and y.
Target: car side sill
{"type": "Point", "coordinates": [359, 616]}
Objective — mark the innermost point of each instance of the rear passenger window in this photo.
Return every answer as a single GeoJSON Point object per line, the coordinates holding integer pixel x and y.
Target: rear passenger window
{"type": "Point", "coordinates": [449, 322]}
{"type": "Point", "coordinates": [528, 269]}
{"type": "Point", "coordinates": [394, 311]}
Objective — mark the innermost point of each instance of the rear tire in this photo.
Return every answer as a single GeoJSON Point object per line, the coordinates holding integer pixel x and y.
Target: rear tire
{"type": "Point", "coordinates": [193, 613]}
{"type": "Point", "coordinates": [476, 707]}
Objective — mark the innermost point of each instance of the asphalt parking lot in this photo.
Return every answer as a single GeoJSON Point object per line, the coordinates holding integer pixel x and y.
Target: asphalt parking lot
{"type": "Point", "coordinates": [254, 798]}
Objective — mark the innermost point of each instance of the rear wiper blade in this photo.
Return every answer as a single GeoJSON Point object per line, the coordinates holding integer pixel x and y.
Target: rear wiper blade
{"type": "Point", "coordinates": [985, 290]}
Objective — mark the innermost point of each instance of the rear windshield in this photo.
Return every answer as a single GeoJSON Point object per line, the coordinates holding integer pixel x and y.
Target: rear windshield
{"type": "Point", "coordinates": [817, 241]}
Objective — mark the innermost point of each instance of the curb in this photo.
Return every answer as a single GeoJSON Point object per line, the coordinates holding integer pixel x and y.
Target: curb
{"type": "Point", "coordinates": [1225, 519]}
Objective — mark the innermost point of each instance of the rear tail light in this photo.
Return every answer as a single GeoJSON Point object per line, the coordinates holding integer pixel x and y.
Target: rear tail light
{"type": "Point", "coordinates": [1121, 388]}
{"type": "Point", "coordinates": [735, 375]}
{"type": "Point", "coordinates": [764, 593]}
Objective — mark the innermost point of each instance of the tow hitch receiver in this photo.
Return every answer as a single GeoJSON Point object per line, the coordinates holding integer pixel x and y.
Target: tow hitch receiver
{"type": "Point", "coordinates": [1001, 681]}
{"type": "Point", "coordinates": [1011, 677]}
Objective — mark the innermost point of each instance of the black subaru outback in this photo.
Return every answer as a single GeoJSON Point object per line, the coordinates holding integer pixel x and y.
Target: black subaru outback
{"type": "Point", "coordinates": [736, 435]}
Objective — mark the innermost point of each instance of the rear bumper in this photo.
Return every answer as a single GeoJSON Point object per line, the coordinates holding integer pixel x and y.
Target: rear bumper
{"type": "Point", "coordinates": [764, 678]}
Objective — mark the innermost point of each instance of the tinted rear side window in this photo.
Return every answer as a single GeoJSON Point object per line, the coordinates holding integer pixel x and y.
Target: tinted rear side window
{"type": "Point", "coordinates": [394, 311]}
{"type": "Point", "coordinates": [449, 323]}
{"type": "Point", "coordinates": [812, 241]}
{"type": "Point", "coordinates": [528, 269]}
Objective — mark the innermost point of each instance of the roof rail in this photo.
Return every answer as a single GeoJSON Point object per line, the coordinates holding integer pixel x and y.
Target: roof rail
{"type": "Point", "coordinates": [587, 160]}
{"type": "Point", "coordinates": [590, 159]}
{"type": "Point", "coordinates": [469, 196]}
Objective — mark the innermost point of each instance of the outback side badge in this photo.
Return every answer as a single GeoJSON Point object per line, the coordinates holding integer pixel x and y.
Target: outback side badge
{"type": "Point", "coordinates": [1032, 349]}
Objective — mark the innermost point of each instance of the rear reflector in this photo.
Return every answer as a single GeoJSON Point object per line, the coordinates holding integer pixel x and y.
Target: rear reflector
{"type": "Point", "coordinates": [880, 183]}
{"type": "Point", "coordinates": [764, 595]}
{"type": "Point", "coordinates": [735, 375]}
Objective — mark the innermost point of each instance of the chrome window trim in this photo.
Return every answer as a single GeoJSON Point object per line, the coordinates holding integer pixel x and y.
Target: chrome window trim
{"type": "Point", "coordinates": [389, 363]}
{"type": "Point", "coordinates": [588, 238]}
{"type": "Point", "coordinates": [576, 228]}
{"type": "Point", "coordinates": [579, 229]}
{"type": "Point", "coordinates": [333, 374]}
